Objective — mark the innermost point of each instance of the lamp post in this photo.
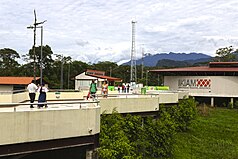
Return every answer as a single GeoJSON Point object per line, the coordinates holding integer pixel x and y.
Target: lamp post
{"type": "Point", "coordinates": [147, 77]}
{"type": "Point", "coordinates": [62, 72]}
{"type": "Point", "coordinates": [41, 52]}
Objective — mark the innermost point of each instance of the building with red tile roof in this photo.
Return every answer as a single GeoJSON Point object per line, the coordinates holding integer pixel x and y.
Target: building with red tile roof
{"type": "Point", "coordinates": [11, 83]}
{"type": "Point", "coordinates": [83, 80]}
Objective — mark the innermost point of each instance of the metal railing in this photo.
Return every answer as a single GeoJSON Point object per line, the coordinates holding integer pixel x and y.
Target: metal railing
{"type": "Point", "coordinates": [15, 105]}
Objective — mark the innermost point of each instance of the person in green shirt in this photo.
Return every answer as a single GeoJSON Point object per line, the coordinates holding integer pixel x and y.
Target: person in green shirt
{"type": "Point", "coordinates": [93, 89]}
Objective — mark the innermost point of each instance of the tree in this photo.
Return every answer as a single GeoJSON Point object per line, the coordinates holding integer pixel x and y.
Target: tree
{"type": "Point", "coordinates": [47, 60]}
{"type": "Point", "coordinates": [106, 66]}
{"type": "Point", "coordinates": [226, 54]}
{"type": "Point", "coordinates": [8, 64]}
{"type": "Point", "coordinates": [184, 113]}
{"type": "Point", "coordinates": [114, 143]}
{"type": "Point", "coordinates": [133, 136]}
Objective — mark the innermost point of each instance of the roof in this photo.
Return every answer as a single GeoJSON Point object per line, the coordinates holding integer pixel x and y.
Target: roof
{"type": "Point", "coordinates": [84, 76]}
{"type": "Point", "coordinates": [108, 78]}
{"type": "Point", "coordinates": [198, 69]}
{"type": "Point", "coordinates": [16, 80]}
{"type": "Point", "coordinates": [95, 72]}
{"type": "Point", "coordinates": [212, 67]}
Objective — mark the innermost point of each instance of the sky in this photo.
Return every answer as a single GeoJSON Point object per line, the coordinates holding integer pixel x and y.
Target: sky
{"type": "Point", "coordinates": [101, 30]}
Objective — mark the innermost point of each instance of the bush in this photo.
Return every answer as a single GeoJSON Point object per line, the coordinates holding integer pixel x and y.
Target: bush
{"type": "Point", "coordinates": [184, 113]}
{"type": "Point", "coordinates": [139, 137]}
{"type": "Point", "coordinates": [136, 136]}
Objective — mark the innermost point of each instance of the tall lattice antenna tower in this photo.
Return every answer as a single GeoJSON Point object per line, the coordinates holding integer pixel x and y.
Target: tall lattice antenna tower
{"type": "Point", "coordinates": [133, 54]}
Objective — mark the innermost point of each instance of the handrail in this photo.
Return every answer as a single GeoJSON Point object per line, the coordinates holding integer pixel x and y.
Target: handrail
{"type": "Point", "coordinates": [48, 103]}
{"type": "Point", "coordinates": [126, 94]}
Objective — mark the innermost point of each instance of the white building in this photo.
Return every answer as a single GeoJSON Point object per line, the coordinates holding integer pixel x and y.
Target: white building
{"type": "Point", "coordinates": [215, 84]}
{"type": "Point", "coordinates": [83, 80]}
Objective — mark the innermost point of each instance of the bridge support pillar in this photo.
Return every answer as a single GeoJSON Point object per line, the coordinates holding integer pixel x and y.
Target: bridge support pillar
{"type": "Point", "coordinates": [212, 101]}
{"type": "Point", "coordinates": [91, 154]}
{"type": "Point", "coordinates": [232, 102]}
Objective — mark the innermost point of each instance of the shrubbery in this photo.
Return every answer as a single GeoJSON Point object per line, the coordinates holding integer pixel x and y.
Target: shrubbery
{"type": "Point", "coordinates": [184, 113]}
{"type": "Point", "coordinates": [133, 136]}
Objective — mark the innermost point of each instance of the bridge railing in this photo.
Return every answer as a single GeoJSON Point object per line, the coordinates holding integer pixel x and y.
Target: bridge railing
{"type": "Point", "coordinates": [79, 103]}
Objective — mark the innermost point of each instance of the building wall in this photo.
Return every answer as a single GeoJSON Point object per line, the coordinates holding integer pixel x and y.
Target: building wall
{"type": "Point", "coordinates": [204, 85]}
{"type": "Point", "coordinates": [82, 84]}
{"type": "Point", "coordinates": [85, 84]}
{"type": "Point", "coordinates": [4, 88]}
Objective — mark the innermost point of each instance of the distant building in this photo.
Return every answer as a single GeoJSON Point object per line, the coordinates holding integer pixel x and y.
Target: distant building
{"type": "Point", "coordinates": [83, 80]}
{"type": "Point", "coordinates": [215, 84]}
{"type": "Point", "coordinates": [15, 83]}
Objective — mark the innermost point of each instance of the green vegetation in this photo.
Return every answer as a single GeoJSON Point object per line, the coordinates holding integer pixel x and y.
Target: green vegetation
{"type": "Point", "coordinates": [139, 137]}
{"type": "Point", "coordinates": [212, 135]}
{"type": "Point", "coordinates": [52, 65]}
{"type": "Point", "coordinates": [178, 133]}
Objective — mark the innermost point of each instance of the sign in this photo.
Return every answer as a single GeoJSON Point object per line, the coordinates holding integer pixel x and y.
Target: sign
{"type": "Point", "coordinates": [198, 83]}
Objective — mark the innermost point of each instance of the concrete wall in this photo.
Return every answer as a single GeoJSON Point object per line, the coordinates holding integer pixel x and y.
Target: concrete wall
{"type": "Point", "coordinates": [19, 97]}
{"type": "Point", "coordinates": [5, 98]}
{"type": "Point", "coordinates": [4, 88]}
{"type": "Point", "coordinates": [167, 98]}
{"type": "Point", "coordinates": [23, 96]}
{"type": "Point", "coordinates": [129, 105]}
{"type": "Point", "coordinates": [64, 95]}
{"type": "Point", "coordinates": [28, 126]}
{"type": "Point", "coordinates": [220, 85]}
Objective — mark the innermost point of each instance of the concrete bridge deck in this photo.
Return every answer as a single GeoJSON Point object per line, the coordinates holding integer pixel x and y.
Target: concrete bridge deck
{"type": "Point", "coordinates": [67, 122]}
{"type": "Point", "coordinates": [61, 125]}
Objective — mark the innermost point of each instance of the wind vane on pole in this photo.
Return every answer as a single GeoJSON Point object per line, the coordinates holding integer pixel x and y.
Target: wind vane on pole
{"type": "Point", "coordinates": [34, 50]}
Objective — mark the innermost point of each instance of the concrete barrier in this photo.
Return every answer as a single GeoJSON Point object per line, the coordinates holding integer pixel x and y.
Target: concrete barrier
{"type": "Point", "coordinates": [45, 124]}
{"type": "Point", "coordinates": [129, 105]}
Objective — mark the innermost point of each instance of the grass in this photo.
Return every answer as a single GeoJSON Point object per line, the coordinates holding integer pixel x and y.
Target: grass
{"type": "Point", "coordinates": [214, 136]}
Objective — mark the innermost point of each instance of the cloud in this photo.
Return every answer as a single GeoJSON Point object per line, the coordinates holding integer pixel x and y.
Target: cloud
{"type": "Point", "coordinates": [94, 31]}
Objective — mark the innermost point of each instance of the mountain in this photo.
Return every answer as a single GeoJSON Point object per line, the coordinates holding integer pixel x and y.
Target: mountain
{"type": "Point", "coordinates": [152, 60]}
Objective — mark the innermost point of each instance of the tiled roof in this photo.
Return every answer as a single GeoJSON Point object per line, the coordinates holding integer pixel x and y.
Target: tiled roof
{"type": "Point", "coordinates": [17, 80]}
{"type": "Point", "coordinates": [108, 78]}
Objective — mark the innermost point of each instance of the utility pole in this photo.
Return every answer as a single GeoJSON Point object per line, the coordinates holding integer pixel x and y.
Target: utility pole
{"type": "Point", "coordinates": [34, 43]}
{"type": "Point", "coordinates": [142, 62]}
{"type": "Point", "coordinates": [41, 57]}
{"type": "Point", "coordinates": [110, 71]}
{"type": "Point", "coordinates": [69, 74]}
{"type": "Point", "coordinates": [62, 69]}
{"type": "Point", "coordinates": [133, 55]}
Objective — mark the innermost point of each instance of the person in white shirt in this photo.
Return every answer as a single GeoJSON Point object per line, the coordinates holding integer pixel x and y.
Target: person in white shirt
{"type": "Point", "coordinates": [32, 92]}
{"type": "Point", "coordinates": [42, 97]}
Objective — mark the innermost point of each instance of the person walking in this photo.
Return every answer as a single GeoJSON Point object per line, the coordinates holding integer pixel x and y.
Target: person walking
{"type": "Point", "coordinates": [32, 92]}
{"type": "Point", "coordinates": [93, 89]}
{"type": "Point", "coordinates": [42, 97]}
{"type": "Point", "coordinates": [104, 89]}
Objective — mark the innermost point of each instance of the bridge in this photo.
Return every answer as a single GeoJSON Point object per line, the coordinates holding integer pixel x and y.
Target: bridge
{"type": "Point", "coordinates": [69, 121]}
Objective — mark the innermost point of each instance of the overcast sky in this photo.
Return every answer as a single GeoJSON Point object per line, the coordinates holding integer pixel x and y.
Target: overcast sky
{"type": "Point", "coordinates": [100, 30]}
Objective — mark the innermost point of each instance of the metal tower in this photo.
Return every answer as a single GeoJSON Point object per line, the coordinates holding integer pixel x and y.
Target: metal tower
{"type": "Point", "coordinates": [133, 55]}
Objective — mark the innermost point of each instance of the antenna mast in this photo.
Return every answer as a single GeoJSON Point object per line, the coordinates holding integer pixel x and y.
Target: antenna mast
{"type": "Point", "coordinates": [142, 62]}
{"type": "Point", "coordinates": [133, 55]}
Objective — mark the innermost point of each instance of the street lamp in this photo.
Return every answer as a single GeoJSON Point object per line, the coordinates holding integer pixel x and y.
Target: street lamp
{"type": "Point", "coordinates": [147, 77]}
{"type": "Point", "coordinates": [41, 51]}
